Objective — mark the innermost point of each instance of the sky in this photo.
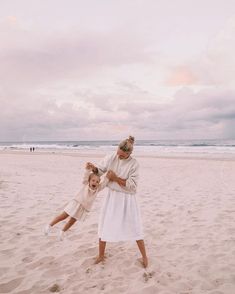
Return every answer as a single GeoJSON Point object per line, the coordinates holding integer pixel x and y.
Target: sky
{"type": "Point", "coordinates": [107, 69]}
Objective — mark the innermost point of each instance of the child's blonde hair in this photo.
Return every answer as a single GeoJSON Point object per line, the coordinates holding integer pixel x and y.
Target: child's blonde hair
{"type": "Point", "coordinates": [92, 174]}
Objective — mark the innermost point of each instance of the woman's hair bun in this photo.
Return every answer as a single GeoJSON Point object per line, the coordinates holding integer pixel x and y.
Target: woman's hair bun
{"type": "Point", "coordinates": [127, 144]}
{"type": "Point", "coordinates": [131, 139]}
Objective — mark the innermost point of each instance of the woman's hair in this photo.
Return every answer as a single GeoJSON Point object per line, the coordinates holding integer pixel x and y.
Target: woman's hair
{"type": "Point", "coordinates": [127, 144]}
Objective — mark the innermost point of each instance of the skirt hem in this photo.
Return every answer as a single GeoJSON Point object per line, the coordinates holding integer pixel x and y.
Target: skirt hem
{"type": "Point", "coordinates": [125, 239]}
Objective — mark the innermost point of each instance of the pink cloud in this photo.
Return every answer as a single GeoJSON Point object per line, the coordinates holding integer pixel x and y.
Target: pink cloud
{"type": "Point", "coordinates": [181, 76]}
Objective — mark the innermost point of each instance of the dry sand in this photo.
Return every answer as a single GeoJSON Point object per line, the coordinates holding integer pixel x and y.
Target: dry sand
{"type": "Point", "coordinates": [188, 211]}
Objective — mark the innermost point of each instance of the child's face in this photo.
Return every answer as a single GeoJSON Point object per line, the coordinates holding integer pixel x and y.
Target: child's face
{"type": "Point", "coordinates": [94, 182]}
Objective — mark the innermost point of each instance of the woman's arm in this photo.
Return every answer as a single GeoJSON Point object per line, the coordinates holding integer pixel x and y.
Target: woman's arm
{"type": "Point", "coordinates": [129, 184]}
{"type": "Point", "coordinates": [113, 177]}
{"type": "Point", "coordinates": [102, 166]}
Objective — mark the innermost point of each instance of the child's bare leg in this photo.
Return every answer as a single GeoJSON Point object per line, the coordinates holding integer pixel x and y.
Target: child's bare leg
{"type": "Point", "coordinates": [59, 218]}
{"type": "Point", "coordinates": [69, 224]}
{"type": "Point", "coordinates": [141, 246]}
{"type": "Point", "coordinates": [102, 245]}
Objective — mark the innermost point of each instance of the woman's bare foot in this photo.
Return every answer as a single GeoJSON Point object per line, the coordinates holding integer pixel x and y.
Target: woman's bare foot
{"type": "Point", "coordinates": [145, 261]}
{"type": "Point", "coordinates": [99, 259]}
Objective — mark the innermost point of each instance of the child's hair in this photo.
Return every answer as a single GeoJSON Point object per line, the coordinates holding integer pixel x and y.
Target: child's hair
{"type": "Point", "coordinates": [95, 171]}
{"type": "Point", "coordinates": [127, 145]}
{"type": "Point", "coordinates": [92, 174]}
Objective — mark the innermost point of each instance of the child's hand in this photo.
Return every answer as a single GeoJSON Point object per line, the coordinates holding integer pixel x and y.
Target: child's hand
{"type": "Point", "coordinates": [90, 166]}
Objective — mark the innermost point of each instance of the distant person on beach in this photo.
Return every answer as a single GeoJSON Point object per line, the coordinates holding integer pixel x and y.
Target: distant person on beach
{"type": "Point", "coordinates": [120, 218]}
{"type": "Point", "coordinates": [78, 207]}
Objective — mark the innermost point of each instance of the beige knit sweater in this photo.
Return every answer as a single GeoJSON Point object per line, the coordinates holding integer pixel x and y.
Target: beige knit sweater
{"type": "Point", "coordinates": [86, 195]}
{"type": "Point", "coordinates": [124, 168]}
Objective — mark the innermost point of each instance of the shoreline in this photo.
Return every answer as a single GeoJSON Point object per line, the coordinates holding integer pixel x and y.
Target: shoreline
{"type": "Point", "coordinates": [100, 154]}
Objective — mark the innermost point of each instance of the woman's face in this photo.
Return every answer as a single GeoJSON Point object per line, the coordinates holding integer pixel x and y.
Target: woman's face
{"type": "Point", "coordinates": [122, 154]}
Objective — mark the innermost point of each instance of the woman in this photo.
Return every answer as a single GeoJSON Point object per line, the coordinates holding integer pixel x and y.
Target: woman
{"type": "Point", "coordinates": [120, 217]}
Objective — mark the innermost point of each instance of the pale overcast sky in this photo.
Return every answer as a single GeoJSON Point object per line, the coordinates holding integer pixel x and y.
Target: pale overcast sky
{"type": "Point", "coordinates": [87, 70]}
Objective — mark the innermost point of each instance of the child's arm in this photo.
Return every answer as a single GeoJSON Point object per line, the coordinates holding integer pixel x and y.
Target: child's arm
{"type": "Point", "coordinates": [86, 174]}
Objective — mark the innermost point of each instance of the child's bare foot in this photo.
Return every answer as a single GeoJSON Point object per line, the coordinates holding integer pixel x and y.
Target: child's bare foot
{"type": "Point", "coordinates": [99, 259]}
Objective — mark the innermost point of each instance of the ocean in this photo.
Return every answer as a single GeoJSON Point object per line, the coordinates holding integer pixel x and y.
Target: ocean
{"type": "Point", "coordinates": [151, 146]}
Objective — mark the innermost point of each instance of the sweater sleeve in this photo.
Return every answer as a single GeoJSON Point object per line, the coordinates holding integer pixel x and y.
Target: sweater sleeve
{"type": "Point", "coordinates": [133, 177]}
{"type": "Point", "coordinates": [131, 181]}
{"type": "Point", "coordinates": [103, 165]}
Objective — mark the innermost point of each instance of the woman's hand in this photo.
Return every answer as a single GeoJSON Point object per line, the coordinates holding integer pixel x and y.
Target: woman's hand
{"type": "Point", "coordinates": [114, 178]}
{"type": "Point", "coordinates": [111, 175]}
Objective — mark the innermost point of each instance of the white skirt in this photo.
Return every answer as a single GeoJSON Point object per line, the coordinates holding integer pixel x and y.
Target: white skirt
{"type": "Point", "coordinates": [120, 218]}
{"type": "Point", "coordinates": [76, 210]}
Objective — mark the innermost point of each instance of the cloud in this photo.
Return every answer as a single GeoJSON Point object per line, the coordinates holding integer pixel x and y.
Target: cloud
{"type": "Point", "coordinates": [181, 76]}
{"type": "Point", "coordinates": [30, 58]}
{"type": "Point", "coordinates": [204, 114]}
{"type": "Point", "coordinates": [12, 19]}
{"type": "Point", "coordinates": [208, 113]}
{"type": "Point", "coordinates": [215, 66]}
{"type": "Point", "coordinates": [82, 84]}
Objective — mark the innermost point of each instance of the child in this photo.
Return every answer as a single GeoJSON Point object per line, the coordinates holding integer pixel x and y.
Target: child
{"type": "Point", "coordinates": [78, 207]}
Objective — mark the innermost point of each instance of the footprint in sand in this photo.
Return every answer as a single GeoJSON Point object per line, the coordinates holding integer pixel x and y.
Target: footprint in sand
{"type": "Point", "coordinates": [28, 258]}
{"type": "Point", "coordinates": [94, 226]}
{"type": "Point", "coordinates": [8, 251]}
{"type": "Point", "coordinates": [148, 275]}
{"type": "Point", "coordinates": [130, 270]}
{"type": "Point", "coordinates": [91, 250]}
{"type": "Point", "coordinates": [92, 232]}
{"type": "Point", "coordinates": [151, 290]}
{"type": "Point", "coordinates": [5, 254]}
{"type": "Point", "coordinates": [10, 286]}
{"type": "Point", "coordinates": [42, 262]}
{"type": "Point", "coordinates": [54, 271]}
{"type": "Point", "coordinates": [87, 262]}
{"type": "Point", "coordinates": [3, 270]}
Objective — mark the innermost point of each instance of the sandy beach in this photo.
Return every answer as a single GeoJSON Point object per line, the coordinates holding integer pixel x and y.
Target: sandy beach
{"type": "Point", "coordinates": [188, 211]}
